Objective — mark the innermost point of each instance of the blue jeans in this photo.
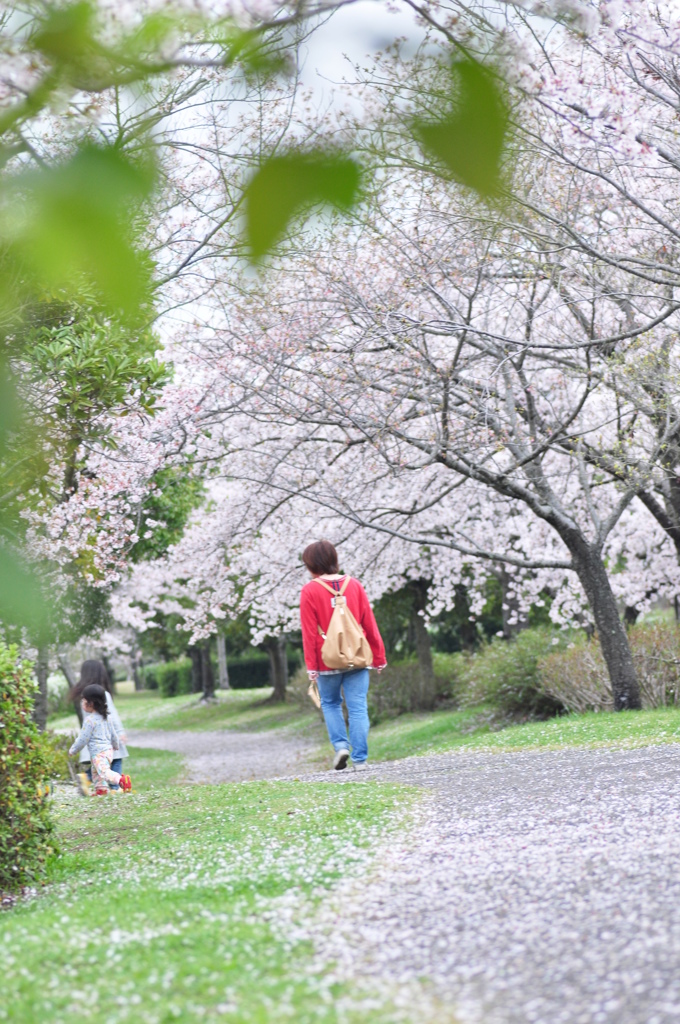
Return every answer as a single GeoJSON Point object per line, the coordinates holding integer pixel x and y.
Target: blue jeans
{"type": "Point", "coordinates": [355, 687]}
{"type": "Point", "coordinates": [116, 766]}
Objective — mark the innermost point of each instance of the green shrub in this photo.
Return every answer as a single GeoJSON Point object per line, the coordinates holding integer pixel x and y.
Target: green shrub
{"type": "Point", "coordinates": [298, 684]}
{"type": "Point", "coordinates": [396, 690]}
{"type": "Point", "coordinates": [249, 673]}
{"type": "Point", "coordinates": [150, 678]}
{"type": "Point", "coordinates": [578, 675]}
{"type": "Point", "coordinates": [56, 746]}
{"type": "Point", "coordinates": [505, 674]}
{"type": "Point", "coordinates": [448, 670]}
{"type": "Point", "coordinates": [25, 823]}
{"type": "Point", "coordinates": [172, 677]}
{"type": "Point", "coordinates": [245, 673]}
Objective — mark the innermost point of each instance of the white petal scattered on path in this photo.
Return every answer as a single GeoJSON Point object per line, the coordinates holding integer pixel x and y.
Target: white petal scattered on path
{"type": "Point", "coordinates": [229, 756]}
{"type": "Point", "coordinates": [537, 888]}
{"type": "Point", "coordinates": [534, 888]}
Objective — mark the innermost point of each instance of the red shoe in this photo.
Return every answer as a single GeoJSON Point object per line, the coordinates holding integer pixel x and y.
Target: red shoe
{"type": "Point", "coordinates": [101, 792]}
{"type": "Point", "coordinates": [125, 783]}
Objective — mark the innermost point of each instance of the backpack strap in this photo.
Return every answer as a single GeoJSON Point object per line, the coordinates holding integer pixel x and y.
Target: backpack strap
{"type": "Point", "coordinates": [331, 590]}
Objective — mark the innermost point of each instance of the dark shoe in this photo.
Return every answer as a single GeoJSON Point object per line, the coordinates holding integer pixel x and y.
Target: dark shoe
{"type": "Point", "coordinates": [340, 760]}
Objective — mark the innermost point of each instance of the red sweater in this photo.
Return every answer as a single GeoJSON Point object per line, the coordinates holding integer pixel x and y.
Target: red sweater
{"type": "Point", "coordinates": [316, 610]}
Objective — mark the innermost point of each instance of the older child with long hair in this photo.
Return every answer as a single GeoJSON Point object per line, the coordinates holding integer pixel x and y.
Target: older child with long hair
{"type": "Point", "coordinates": [94, 671]}
{"type": "Point", "coordinates": [101, 738]}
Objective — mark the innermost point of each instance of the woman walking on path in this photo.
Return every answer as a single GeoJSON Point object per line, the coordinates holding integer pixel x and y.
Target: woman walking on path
{"type": "Point", "coordinates": [316, 609]}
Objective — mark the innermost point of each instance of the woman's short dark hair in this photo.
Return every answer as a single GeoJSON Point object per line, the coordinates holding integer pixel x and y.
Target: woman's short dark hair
{"type": "Point", "coordinates": [96, 696]}
{"type": "Point", "coordinates": [321, 557]}
{"type": "Point", "coordinates": [92, 672]}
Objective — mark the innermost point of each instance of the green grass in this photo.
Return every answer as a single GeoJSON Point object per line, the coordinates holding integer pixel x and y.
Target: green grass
{"type": "Point", "coordinates": [247, 710]}
{"type": "Point", "coordinates": [176, 903]}
{"type": "Point", "coordinates": [473, 729]}
{"type": "Point", "coordinates": [154, 769]}
{"type": "Point", "coordinates": [439, 731]}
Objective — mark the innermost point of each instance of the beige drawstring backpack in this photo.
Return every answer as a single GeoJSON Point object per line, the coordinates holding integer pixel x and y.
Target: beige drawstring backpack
{"type": "Point", "coordinates": [345, 646]}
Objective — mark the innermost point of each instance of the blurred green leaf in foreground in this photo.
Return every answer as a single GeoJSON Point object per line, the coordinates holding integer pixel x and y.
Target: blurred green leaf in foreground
{"type": "Point", "coordinates": [469, 139]}
{"type": "Point", "coordinates": [285, 185]}
{"type": "Point", "coordinates": [69, 224]}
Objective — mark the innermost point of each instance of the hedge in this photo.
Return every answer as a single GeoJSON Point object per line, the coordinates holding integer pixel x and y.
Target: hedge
{"type": "Point", "coordinates": [171, 678]}
{"type": "Point", "coordinates": [578, 676]}
{"type": "Point", "coordinates": [174, 677]}
{"type": "Point", "coordinates": [25, 822]}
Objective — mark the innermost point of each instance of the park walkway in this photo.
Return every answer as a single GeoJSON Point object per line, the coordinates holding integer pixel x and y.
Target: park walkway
{"type": "Point", "coordinates": [536, 888]}
{"type": "Point", "coordinates": [532, 888]}
{"type": "Point", "coordinates": [230, 756]}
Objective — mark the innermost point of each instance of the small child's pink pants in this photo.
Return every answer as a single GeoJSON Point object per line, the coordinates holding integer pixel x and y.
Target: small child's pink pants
{"type": "Point", "coordinates": [101, 771]}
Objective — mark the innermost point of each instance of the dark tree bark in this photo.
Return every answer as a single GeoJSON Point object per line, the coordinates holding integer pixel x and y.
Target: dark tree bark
{"type": "Point", "coordinates": [196, 668]}
{"type": "Point", "coordinates": [222, 663]}
{"type": "Point", "coordinates": [67, 668]}
{"type": "Point", "coordinates": [109, 671]}
{"type": "Point", "coordinates": [41, 671]}
{"type": "Point", "coordinates": [630, 615]}
{"type": "Point", "coordinates": [426, 681]}
{"type": "Point", "coordinates": [137, 666]}
{"type": "Point", "coordinates": [207, 674]}
{"type": "Point", "coordinates": [611, 630]}
{"type": "Point", "coordinates": [275, 647]}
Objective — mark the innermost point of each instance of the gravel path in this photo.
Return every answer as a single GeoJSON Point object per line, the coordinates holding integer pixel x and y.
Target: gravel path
{"type": "Point", "coordinates": [537, 887]}
{"type": "Point", "coordinates": [228, 756]}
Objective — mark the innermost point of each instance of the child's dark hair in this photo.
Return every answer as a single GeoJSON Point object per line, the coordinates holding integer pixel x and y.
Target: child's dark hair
{"type": "Point", "coordinates": [96, 696]}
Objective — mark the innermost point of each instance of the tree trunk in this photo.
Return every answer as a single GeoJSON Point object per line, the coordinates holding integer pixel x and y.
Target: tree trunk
{"type": "Point", "coordinates": [137, 674]}
{"type": "Point", "coordinates": [67, 669]}
{"type": "Point", "coordinates": [207, 674]}
{"type": "Point", "coordinates": [278, 666]}
{"type": "Point", "coordinates": [611, 631]}
{"type": "Point", "coordinates": [109, 671]}
{"type": "Point", "coordinates": [426, 681]}
{"type": "Point", "coordinates": [222, 663]}
{"type": "Point", "coordinates": [42, 671]}
{"type": "Point", "coordinates": [196, 668]}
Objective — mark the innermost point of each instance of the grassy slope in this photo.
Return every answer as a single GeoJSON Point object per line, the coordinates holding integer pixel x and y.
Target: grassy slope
{"type": "Point", "coordinates": [404, 736]}
{"type": "Point", "coordinates": [237, 709]}
{"type": "Point", "coordinates": [470, 729]}
{"type": "Point", "coordinates": [158, 907]}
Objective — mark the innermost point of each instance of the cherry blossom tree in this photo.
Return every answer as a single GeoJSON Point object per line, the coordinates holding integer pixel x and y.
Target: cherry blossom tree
{"type": "Point", "coordinates": [406, 359]}
{"type": "Point", "coordinates": [446, 384]}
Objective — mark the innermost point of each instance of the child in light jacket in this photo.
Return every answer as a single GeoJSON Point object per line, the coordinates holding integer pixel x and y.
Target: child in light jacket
{"type": "Point", "coordinates": [100, 736]}
{"type": "Point", "coordinates": [94, 671]}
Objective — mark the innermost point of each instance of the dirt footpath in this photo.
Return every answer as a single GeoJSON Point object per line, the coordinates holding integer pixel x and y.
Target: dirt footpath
{"type": "Point", "coordinates": [228, 756]}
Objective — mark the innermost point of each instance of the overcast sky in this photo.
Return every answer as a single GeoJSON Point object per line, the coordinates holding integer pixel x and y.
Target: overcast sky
{"type": "Point", "coordinates": [350, 35]}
